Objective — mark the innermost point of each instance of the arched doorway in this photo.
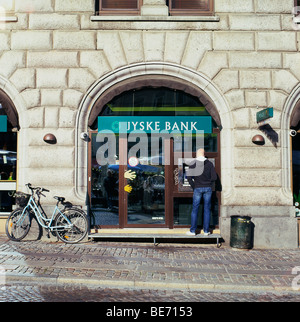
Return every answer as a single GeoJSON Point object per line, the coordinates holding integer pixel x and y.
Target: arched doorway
{"type": "Point", "coordinates": [8, 153]}
{"type": "Point", "coordinates": [295, 144]}
{"type": "Point", "coordinates": [157, 194]}
{"type": "Point", "coordinates": [156, 74]}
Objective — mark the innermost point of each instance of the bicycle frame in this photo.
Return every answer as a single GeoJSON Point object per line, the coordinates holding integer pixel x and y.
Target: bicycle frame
{"type": "Point", "coordinates": [40, 218]}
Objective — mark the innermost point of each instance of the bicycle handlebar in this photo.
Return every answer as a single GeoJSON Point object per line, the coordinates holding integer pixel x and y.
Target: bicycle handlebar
{"type": "Point", "coordinates": [38, 190]}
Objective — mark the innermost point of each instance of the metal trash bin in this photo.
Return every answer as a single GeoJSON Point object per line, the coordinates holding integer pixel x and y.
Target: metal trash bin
{"type": "Point", "coordinates": [241, 232]}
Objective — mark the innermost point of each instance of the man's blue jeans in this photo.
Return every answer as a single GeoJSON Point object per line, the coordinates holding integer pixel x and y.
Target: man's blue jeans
{"type": "Point", "coordinates": [206, 192]}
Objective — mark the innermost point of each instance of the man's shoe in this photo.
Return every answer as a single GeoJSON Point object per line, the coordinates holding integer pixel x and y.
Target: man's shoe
{"type": "Point", "coordinates": [190, 233]}
{"type": "Point", "coordinates": [207, 234]}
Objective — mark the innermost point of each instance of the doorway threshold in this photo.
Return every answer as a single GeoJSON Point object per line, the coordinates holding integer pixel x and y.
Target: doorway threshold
{"type": "Point", "coordinates": [156, 234]}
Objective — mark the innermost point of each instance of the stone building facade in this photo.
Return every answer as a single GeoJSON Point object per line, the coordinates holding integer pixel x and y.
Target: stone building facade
{"type": "Point", "coordinates": [58, 58]}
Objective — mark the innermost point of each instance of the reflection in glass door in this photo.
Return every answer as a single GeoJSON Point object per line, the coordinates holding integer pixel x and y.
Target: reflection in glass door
{"type": "Point", "coordinates": [146, 193]}
{"type": "Point", "coordinates": [104, 187]}
{"type": "Point", "coordinates": [126, 195]}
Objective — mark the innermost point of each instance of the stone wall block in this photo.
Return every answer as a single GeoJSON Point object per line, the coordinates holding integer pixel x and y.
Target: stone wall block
{"type": "Point", "coordinates": [52, 59]}
{"type": "Point", "coordinates": [10, 61]}
{"type": "Point", "coordinates": [74, 40]}
{"type": "Point", "coordinates": [292, 61]}
{"type": "Point", "coordinates": [110, 43]}
{"type": "Point", "coordinates": [255, 22]}
{"type": "Point", "coordinates": [67, 117]}
{"type": "Point", "coordinates": [80, 78]}
{"type": "Point", "coordinates": [96, 62]}
{"type": "Point", "coordinates": [51, 97]}
{"type": "Point", "coordinates": [4, 40]}
{"type": "Point", "coordinates": [31, 40]}
{"type": "Point", "coordinates": [235, 98]}
{"type": "Point", "coordinates": [74, 5]}
{"type": "Point", "coordinates": [274, 6]}
{"type": "Point", "coordinates": [255, 79]}
{"type": "Point", "coordinates": [23, 78]}
{"type": "Point", "coordinates": [281, 41]}
{"type": "Point", "coordinates": [227, 80]}
{"type": "Point", "coordinates": [284, 80]}
{"type": "Point", "coordinates": [212, 63]}
{"type": "Point", "coordinates": [51, 78]}
{"type": "Point", "coordinates": [263, 196]}
{"type": "Point", "coordinates": [65, 137]}
{"type": "Point", "coordinates": [175, 46]}
{"type": "Point", "coordinates": [61, 157]}
{"type": "Point", "coordinates": [241, 118]}
{"type": "Point", "coordinates": [33, 5]}
{"type": "Point", "coordinates": [256, 98]}
{"type": "Point", "coordinates": [32, 97]}
{"type": "Point", "coordinates": [154, 46]}
{"type": "Point", "coordinates": [72, 98]}
{"type": "Point", "coordinates": [54, 21]}
{"type": "Point", "coordinates": [255, 60]}
{"type": "Point", "coordinates": [52, 176]}
{"type": "Point", "coordinates": [51, 117]}
{"type": "Point", "coordinates": [233, 40]}
{"type": "Point", "coordinates": [234, 6]}
{"type": "Point", "coordinates": [257, 178]}
{"type": "Point", "coordinates": [252, 157]}
{"type": "Point", "coordinates": [197, 44]}
{"type": "Point", "coordinates": [132, 42]}
{"type": "Point", "coordinates": [36, 118]}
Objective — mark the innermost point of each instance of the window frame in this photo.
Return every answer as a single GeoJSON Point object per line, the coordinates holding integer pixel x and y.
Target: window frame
{"type": "Point", "coordinates": [191, 12]}
{"type": "Point", "coordinates": [100, 11]}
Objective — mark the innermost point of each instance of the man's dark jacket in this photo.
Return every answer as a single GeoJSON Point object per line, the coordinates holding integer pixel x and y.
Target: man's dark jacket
{"type": "Point", "coordinates": [203, 174]}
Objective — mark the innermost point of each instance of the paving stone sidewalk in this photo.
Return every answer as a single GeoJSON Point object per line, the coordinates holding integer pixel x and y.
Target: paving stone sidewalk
{"type": "Point", "coordinates": [143, 265]}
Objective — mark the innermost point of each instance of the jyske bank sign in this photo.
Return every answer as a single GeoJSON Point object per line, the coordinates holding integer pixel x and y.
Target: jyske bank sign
{"type": "Point", "coordinates": [155, 124]}
{"type": "Point", "coordinates": [136, 129]}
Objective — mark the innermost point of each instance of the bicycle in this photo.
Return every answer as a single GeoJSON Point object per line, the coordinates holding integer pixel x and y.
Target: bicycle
{"type": "Point", "coordinates": [70, 224]}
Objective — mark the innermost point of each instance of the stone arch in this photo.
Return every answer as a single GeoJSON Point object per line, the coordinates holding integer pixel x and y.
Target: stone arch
{"type": "Point", "coordinates": [15, 102]}
{"type": "Point", "coordinates": [18, 118]}
{"type": "Point", "coordinates": [158, 74]}
{"type": "Point", "coordinates": [290, 113]}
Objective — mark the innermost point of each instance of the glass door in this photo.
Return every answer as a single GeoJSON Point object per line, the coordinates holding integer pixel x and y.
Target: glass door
{"type": "Point", "coordinates": [145, 187]}
{"type": "Point", "coordinates": [103, 186]}
{"type": "Point", "coordinates": [131, 190]}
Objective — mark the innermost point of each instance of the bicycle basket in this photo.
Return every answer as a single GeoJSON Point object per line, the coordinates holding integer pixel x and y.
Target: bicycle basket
{"type": "Point", "coordinates": [21, 198]}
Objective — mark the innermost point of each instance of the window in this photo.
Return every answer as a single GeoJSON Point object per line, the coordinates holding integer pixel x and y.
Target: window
{"type": "Point", "coordinates": [190, 7]}
{"type": "Point", "coordinates": [176, 7]}
{"type": "Point", "coordinates": [112, 7]}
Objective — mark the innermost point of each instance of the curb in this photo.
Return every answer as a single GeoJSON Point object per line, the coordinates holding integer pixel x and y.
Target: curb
{"type": "Point", "coordinates": [234, 288]}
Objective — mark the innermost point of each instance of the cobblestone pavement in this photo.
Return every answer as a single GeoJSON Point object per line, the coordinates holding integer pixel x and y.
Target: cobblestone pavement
{"type": "Point", "coordinates": [67, 293]}
{"type": "Point", "coordinates": [123, 271]}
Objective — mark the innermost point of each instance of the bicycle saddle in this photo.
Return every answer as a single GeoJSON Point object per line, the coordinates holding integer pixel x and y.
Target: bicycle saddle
{"type": "Point", "coordinates": [61, 199]}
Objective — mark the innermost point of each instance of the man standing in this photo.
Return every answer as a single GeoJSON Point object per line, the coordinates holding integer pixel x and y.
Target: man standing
{"type": "Point", "coordinates": [201, 175]}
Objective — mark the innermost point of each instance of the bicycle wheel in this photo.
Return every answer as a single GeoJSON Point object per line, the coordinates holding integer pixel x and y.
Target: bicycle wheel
{"type": "Point", "coordinates": [78, 229]}
{"type": "Point", "coordinates": [17, 225]}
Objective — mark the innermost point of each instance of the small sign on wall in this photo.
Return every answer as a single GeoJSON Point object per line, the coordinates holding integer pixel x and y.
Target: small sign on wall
{"type": "Point", "coordinates": [3, 123]}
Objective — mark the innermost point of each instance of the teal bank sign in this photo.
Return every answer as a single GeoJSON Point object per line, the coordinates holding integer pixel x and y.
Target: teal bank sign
{"type": "Point", "coordinates": [155, 124]}
{"type": "Point", "coordinates": [3, 123]}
